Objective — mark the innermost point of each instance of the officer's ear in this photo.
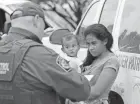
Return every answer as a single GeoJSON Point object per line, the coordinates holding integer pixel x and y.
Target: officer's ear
{"type": "Point", "coordinates": [36, 20]}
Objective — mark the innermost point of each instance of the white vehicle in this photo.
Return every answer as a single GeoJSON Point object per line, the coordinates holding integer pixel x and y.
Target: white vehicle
{"type": "Point", "coordinates": [121, 17]}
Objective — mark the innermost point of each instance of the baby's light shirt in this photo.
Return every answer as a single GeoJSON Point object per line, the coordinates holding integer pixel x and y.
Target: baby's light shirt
{"type": "Point", "coordinates": [75, 60]}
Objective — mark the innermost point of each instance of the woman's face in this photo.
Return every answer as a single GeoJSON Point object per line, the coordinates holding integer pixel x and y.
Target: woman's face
{"type": "Point", "coordinates": [96, 47]}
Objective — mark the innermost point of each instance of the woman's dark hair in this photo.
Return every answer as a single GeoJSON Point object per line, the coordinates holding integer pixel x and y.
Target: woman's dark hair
{"type": "Point", "coordinates": [101, 33]}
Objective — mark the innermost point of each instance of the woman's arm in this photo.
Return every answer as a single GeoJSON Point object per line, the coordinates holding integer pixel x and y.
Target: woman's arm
{"type": "Point", "coordinates": [106, 78]}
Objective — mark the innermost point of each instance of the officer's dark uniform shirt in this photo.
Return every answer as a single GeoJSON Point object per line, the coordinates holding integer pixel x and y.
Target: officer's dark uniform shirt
{"type": "Point", "coordinates": [41, 72]}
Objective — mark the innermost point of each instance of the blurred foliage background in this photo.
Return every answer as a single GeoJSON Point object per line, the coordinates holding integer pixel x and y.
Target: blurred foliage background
{"type": "Point", "coordinates": [63, 13]}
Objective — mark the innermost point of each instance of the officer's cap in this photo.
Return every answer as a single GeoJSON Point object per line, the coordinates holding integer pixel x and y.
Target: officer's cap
{"type": "Point", "coordinates": [29, 9]}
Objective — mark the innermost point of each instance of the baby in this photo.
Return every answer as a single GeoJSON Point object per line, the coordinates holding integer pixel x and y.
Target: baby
{"type": "Point", "coordinates": [69, 59]}
{"type": "Point", "coordinates": [70, 48]}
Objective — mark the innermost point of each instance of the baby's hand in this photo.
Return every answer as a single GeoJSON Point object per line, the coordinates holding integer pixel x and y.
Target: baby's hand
{"type": "Point", "coordinates": [73, 65]}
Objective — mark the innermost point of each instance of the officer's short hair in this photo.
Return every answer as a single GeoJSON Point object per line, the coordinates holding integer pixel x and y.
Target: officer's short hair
{"type": "Point", "coordinates": [28, 9]}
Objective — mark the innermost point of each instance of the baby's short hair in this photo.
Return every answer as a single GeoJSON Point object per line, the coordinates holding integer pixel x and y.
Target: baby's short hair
{"type": "Point", "coordinates": [68, 37]}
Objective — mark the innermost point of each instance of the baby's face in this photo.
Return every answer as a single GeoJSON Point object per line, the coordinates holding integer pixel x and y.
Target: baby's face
{"type": "Point", "coordinates": [71, 47]}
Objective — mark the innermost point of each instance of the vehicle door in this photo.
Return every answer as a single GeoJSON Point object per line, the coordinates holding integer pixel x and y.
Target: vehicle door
{"type": "Point", "coordinates": [126, 34]}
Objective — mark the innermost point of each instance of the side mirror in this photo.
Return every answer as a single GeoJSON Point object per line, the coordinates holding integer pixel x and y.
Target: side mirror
{"type": "Point", "coordinates": [55, 37]}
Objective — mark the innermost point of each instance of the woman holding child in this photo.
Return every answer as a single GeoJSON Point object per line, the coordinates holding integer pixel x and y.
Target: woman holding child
{"type": "Point", "coordinates": [100, 62]}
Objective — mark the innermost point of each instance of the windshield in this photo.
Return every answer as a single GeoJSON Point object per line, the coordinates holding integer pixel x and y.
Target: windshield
{"type": "Point", "coordinates": [108, 14]}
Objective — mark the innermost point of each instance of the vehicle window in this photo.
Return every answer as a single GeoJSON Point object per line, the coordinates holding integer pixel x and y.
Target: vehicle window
{"type": "Point", "coordinates": [88, 20]}
{"type": "Point", "coordinates": [129, 39]}
{"type": "Point", "coordinates": [108, 13]}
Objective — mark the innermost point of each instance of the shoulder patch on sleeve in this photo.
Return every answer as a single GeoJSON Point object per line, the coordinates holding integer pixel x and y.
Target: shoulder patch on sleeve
{"type": "Point", "coordinates": [63, 63]}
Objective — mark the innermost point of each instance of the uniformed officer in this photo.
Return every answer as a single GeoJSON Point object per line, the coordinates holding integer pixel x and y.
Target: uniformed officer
{"type": "Point", "coordinates": [31, 73]}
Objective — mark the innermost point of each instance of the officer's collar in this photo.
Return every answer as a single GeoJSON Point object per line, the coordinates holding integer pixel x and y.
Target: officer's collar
{"type": "Point", "coordinates": [23, 34]}
{"type": "Point", "coordinates": [20, 31]}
